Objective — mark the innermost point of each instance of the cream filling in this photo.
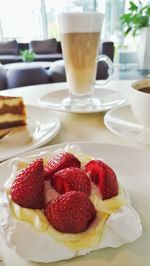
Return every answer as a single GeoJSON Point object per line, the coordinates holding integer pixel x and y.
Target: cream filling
{"type": "Point", "coordinates": [10, 102]}
{"type": "Point", "coordinates": [11, 117]}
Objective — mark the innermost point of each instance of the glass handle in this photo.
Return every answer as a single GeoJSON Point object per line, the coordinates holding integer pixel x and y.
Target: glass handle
{"type": "Point", "coordinates": [110, 71]}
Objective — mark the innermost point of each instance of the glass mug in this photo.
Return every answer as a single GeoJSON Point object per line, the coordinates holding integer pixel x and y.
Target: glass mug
{"type": "Point", "coordinates": [80, 38]}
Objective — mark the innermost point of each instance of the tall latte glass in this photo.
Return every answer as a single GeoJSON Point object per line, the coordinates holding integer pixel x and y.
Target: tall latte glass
{"type": "Point", "coordinates": [80, 38]}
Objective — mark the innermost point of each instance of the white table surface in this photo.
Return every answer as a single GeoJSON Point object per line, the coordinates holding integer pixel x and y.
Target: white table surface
{"type": "Point", "coordinates": [77, 127]}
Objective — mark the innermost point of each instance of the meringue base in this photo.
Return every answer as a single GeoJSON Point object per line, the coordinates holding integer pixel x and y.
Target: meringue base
{"type": "Point", "coordinates": [121, 227]}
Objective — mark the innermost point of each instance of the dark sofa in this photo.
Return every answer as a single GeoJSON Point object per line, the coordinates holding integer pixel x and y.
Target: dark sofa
{"type": "Point", "coordinates": [31, 74]}
{"type": "Point", "coordinates": [45, 50]}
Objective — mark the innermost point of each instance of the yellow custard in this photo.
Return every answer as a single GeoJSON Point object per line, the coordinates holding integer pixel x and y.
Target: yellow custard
{"type": "Point", "coordinates": [86, 239]}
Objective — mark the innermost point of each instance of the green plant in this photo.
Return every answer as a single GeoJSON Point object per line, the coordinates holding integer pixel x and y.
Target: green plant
{"type": "Point", "coordinates": [137, 17]}
{"type": "Point", "coordinates": [27, 55]}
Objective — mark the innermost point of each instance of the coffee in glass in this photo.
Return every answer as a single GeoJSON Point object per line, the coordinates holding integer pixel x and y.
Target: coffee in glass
{"type": "Point", "coordinates": [80, 37]}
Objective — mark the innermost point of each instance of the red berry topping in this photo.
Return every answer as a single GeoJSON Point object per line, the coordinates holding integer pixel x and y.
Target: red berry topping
{"type": "Point", "coordinates": [60, 161]}
{"type": "Point", "coordinates": [104, 177]}
{"type": "Point", "coordinates": [71, 212]}
{"type": "Point", "coordinates": [27, 190]}
{"type": "Point", "coordinates": [69, 179]}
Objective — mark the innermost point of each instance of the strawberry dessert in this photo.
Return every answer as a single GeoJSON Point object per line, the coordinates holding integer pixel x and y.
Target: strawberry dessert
{"type": "Point", "coordinates": [61, 207]}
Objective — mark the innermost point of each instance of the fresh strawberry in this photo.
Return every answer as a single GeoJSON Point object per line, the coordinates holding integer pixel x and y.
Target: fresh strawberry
{"type": "Point", "coordinates": [27, 190]}
{"type": "Point", "coordinates": [69, 179]}
{"type": "Point", "coordinates": [104, 177]}
{"type": "Point", "coordinates": [71, 212]}
{"type": "Point", "coordinates": [60, 161]}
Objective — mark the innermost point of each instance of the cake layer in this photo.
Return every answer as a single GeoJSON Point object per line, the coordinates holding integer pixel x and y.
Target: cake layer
{"type": "Point", "coordinates": [10, 101]}
{"type": "Point", "coordinates": [11, 118]}
{"type": "Point", "coordinates": [12, 124]}
{"type": "Point", "coordinates": [13, 109]}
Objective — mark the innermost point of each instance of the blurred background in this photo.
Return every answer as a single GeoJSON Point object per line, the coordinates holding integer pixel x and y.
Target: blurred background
{"type": "Point", "coordinates": [37, 20]}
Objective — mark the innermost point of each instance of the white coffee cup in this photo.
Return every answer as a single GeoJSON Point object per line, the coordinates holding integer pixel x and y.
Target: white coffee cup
{"type": "Point", "coordinates": [140, 101]}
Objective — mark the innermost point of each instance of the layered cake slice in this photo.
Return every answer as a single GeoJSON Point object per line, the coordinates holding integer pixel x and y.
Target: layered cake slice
{"type": "Point", "coordinates": [12, 112]}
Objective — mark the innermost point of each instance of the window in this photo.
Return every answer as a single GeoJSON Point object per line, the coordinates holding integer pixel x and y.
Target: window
{"type": "Point", "coordinates": [21, 20]}
{"type": "Point", "coordinates": [53, 8]}
{"type": "Point", "coordinates": [37, 19]}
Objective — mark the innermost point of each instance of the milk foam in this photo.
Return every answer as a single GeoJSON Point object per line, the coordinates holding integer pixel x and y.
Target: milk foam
{"type": "Point", "coordinates": [80, 22]}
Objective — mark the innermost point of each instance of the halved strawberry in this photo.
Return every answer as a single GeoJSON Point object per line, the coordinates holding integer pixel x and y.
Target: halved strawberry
{"type": "Point", "coordinates": [69, 179]}
{"type": "Point", "coordinates": [71, 212]}
{"type": "Point", "coordinates": [27, 190]}
{"type": "Point", "coordinates": [104, 177]}
{"type": "Point", "coordinates": [60, 161]}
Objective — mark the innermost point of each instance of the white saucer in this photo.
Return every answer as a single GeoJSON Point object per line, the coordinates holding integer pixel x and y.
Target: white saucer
{"type": "Point", "coordinates": [42, 126]}
{"type": "Point", "coordinates": [122, 121]}
{"type": "Point", "coordinates": [108, 99]}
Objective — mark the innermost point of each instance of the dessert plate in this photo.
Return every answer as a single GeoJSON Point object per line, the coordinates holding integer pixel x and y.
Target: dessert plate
{"type": "Point", "coordinates": [132, 167]}
{"type": "Point", "coordinates": [122, 121]}
{"type": "Point", "coordinates": [108, 99]}
{"type": "Point", "coordinates": [42, 126]}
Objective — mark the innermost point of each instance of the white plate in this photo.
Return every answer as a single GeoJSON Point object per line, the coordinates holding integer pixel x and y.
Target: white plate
{"type": "Point", "coordinates": [132, 167]}
{"type": "Point", "coordinates": [108, 99]}
{"type": "Point", "coordinates": [122, 121]}
{"type": "Point", "coordinates": [42, 126]}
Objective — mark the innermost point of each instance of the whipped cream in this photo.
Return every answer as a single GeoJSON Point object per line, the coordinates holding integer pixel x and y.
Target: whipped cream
{"type": "Point", "coordinates": [122, 226]}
